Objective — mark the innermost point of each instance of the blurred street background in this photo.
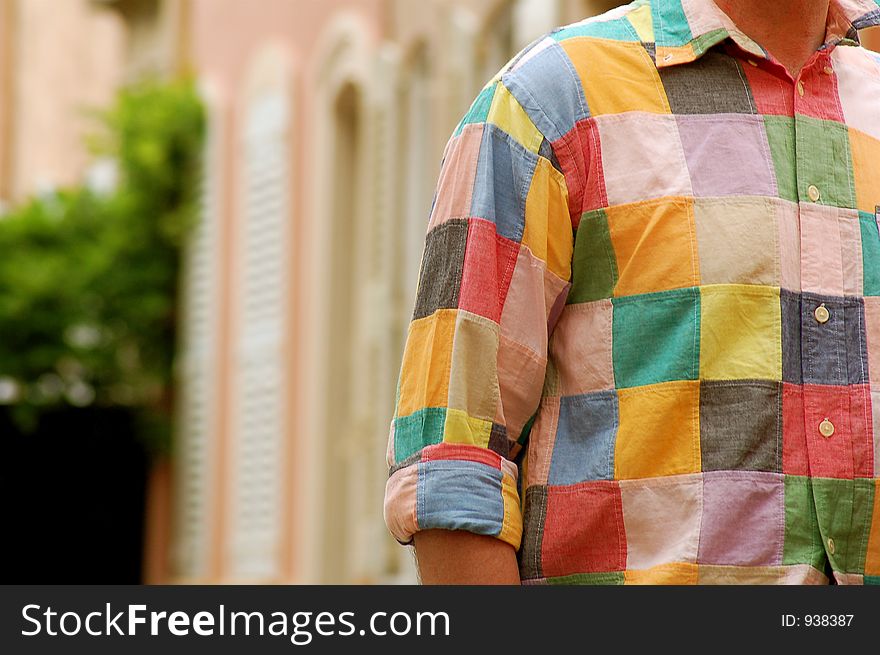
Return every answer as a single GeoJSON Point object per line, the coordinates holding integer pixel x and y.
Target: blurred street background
{"type": "Point", "coordinates": [212, 216]}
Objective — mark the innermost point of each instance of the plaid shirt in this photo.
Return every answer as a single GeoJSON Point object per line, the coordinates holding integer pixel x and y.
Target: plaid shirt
{"type": "Point", "coordinates": [646, 340]}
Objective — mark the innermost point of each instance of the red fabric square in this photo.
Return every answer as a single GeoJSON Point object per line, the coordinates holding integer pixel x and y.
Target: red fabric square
{"type": "Point", "coordinates": [774, 95]}
{"type": "Point", "coordinates": [820, 99]}
{"type": "Point", "coordinates": [580, 156]}
{"type": "Point", "coordinates": [845, 453]}
{"type": "Point", "coordinates": [583, 529]}
{"type": "Point", "coordinates": [794, 438]}
{"type": "Point", "coordinates": [489, 260]}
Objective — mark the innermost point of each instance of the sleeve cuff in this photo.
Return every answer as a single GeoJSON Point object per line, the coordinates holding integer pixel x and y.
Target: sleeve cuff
{"type": "Point", "coordinates": [455, 487]}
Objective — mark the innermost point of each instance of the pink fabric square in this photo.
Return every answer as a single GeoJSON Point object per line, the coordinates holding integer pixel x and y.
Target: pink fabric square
{"type": "Point", "coordinates": [520, 381]}
{"type": "Point", "coordinates": [530, 299]}
{"type": "Point", "coordinates": [831, 257]}
{"type": "Point", "coordinates": [872, 331]}
{"type": "Point", "coordinates": [455, 187]}
{"type": "Point", "coordinates": [789, 244]}
{"type": "Point", "coordinates": [542, 438]}
{"type": "Point", "coordinates": [858, 79]}
{"type": "Point", "coordinates": [875, 412]}
{"type": "Point", "coordinates": [489, 260]}
{"type": "Point", "coordinates": [662, 519]}
{"type": "Point", "coordinates": [727, 155]}
{"type": "Point", "coordinates": [642, 157]}
{"type": "Point", "coordinates": [581, 348]}
{"type": "Point", "coordinates": [743, 518]}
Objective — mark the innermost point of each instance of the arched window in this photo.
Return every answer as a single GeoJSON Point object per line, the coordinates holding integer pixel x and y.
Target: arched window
{"type": "Point", "coordinates": [345, 213]}
{"type": "Point", "coordinates": [261, 291]}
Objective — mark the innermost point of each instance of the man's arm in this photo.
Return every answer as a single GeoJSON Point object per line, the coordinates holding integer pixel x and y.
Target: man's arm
{"type": "Point", "coordinates": [457, 557]}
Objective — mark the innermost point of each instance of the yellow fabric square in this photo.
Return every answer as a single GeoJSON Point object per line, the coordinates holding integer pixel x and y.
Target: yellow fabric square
{"type": "Point", "coordinates": [866, 169]}
{"type": "Point", "coordinates": [643, 23]}
{"type": "Point", "coordinates": [617, 76]}
{"type": "Point", "coordinates": [473, 380]}
{"type": "Point", "coordinates": [464, 429]}
{"type": "Point", "coordinates": [654, 243]}
{"type": "Point", "coordinates": [659, 431]}
{"type": "Point", "coordinates": [427, 358]}
{"type": "Point", "coordinates": [674, 573]}
{"type": "Point", "coordinates": [548, 231]}
{"type": "Point", "coordinates": [512, 527]}
{"type": "Point", "coordinates": [872, 561]}
{"type": "Point", "coordinates": [740, 332]}
{"type": "Point", "coordinates": [508, 114]}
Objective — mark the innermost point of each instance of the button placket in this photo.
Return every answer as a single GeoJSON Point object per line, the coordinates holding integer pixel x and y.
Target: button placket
{"type": "Point", "coordinates": [825, 346]}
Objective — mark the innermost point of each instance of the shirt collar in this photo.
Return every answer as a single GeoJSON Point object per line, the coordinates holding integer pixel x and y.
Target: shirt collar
{"type": "Point", "coordinates": [685, 29]}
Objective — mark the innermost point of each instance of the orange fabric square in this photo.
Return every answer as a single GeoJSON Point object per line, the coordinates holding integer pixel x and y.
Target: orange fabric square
{"type": "Point", "coordinates": [866, 169]}
{"type": "Point", "coordinates": [617, 77]}
{"type": "Point", "coordinates": [659, 431]}
{"type": "Point", "coordinates": [548, 230]}
{"type": "Point", "coordinates": [655, 245]}
{"type": "Point", "coordinates": [427, 359]}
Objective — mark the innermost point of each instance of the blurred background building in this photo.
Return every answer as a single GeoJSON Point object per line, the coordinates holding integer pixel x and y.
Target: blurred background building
{"type": "Point", "coordinates": [326, 124]}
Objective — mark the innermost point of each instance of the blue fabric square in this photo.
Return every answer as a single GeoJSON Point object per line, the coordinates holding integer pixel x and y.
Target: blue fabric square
{"type": "Point", "coordinates": [585, 437]}
{"type": "Point", "coordinates": [504, 175]}
{"type": "Point", "coordinates": [549, 74]}
{"type": "Point", "coordinates": [460, 495]}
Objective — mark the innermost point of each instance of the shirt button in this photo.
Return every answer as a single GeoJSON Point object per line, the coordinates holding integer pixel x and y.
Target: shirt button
{"type": "Point", "coordinates": [822, 314]}
{"type": "Point", "coordinates": [813, 193]}
{"type": "Point", "coordinates": [831, 545]}
{"type": "Point", "coordinates": [829, 70]}
{"type": "Point", "coordinates": [800, 88]}
{"type": "Point", "coordinates": [826, 428]}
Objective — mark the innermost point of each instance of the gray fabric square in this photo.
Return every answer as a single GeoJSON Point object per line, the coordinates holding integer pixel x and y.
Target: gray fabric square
{"type": "Point", "coordinates": [498, 441]}
{"type": "Point", "coordinates": [741, 425]}
{"type": "Point", "coordinates": [442, 266]}
{"type": "Point", "coordinates": [791, 336]}
{"type": "Point", "coordinates": [834, 352]}
{"type": "Point", "coordinates": [534, 513]}
{"type": "Point", "coordinates": [714, 84]}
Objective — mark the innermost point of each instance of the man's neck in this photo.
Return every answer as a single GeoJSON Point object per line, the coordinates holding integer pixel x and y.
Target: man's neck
{"type": "Point", "coordinates": [792, 30]}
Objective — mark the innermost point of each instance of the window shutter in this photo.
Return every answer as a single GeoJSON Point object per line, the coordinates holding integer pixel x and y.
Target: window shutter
{"type": "Point", "coordinates": [259, 420]}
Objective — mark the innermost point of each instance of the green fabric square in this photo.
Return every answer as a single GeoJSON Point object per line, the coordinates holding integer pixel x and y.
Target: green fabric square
{"type": "Point", "coordinates": [780, 135]}
{"type": "Point", "coordinates": [870, 253]}
{"type": "Point", "coordinates": [843, 509]}
{"type": "Point", "coordinates": [594, 264]}
{"type": "Point", "coordinates": [872, 579]}
{"type": "Point", "coordinates": [802, 539]}
{"type": "Point", "coordinates": [825, 161]}
{"type": "Point", "coordinates": [479, 111]}
{"type": "Point", "coordinates": [656, 337]}
{"type": "Point", "coordinates": [419, 429]}
{"type": "Point", "coordinates": [619, 29]}
{"type": "Point", "coordinates": [671, 26]}
{"type": "Point", "coordinates": [609, 578]}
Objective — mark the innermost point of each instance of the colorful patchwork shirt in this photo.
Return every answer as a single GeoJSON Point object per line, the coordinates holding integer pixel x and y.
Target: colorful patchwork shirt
{"type": "Point", "coordinates": [646, 340]}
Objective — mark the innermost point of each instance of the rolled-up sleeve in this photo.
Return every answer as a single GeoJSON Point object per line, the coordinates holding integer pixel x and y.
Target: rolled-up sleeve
{"type": "Point", "coordinates": [494, 276]}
